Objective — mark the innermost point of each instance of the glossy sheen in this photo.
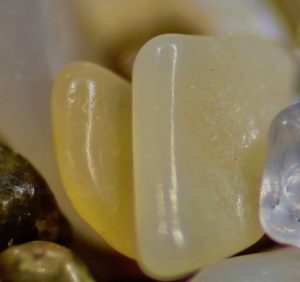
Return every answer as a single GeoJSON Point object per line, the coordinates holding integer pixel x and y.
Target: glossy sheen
{"type": "Point", "coordinates": [274, 266]}
{"type": "Point", "coordinates": [42, 261]}
{"type": "Point", "coordinates": [201, 110]}
{"type": "Point", "coordinates": [28, 210]}
{"type": "Point", "coordinates": [280, 190]}
{"type": "Point", "coordinates": [92, 126]}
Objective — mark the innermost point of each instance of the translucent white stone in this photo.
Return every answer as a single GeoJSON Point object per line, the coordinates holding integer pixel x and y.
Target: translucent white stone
{"type": "Point", "coordinates": [280, 190]}
{"type": "Point", "coordinates": [201, 110]}
{"type": "Point", "coordinates": [274, 266]}
{"type": "Point", "coordinates": [30, 57]}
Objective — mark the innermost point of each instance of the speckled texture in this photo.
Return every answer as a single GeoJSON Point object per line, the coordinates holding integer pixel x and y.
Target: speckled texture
{"type": "Point", "coordinates": [42, 261]}
{"type": "Point", "coordinates": [28, 209]}
{"type": "Point", "coordinates": [201, 110]}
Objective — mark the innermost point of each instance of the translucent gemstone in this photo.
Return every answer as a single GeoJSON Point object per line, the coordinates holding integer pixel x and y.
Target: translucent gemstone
{"type": "Point", "coordinates": [91, 110]}
{"type": "Point", "coordinates": [201, 110]}
{"type": "Point", "coordinates": [280, 190]}
{"type": "Point", "coordinates": [274, 266]}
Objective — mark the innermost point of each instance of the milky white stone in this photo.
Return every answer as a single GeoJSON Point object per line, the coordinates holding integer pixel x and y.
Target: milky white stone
{"type": "Point", "coordinates": [30, 57]}
{"type": "Point", "coordinates": [201, 110]}
{"type": "Point", "coordinates": [274, 266]}
{"type": "Point", "coordinates": [280, 190]}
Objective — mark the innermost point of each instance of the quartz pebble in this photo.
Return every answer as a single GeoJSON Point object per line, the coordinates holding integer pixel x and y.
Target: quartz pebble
{"type": "Point", "coordinates": [91, 110]}
{"type": "Point", "coordinates": [280, 189]}
{"type": "Point", "coordinates": [273, 266]}
{"type": "Point", "coordinates": [201, 110]}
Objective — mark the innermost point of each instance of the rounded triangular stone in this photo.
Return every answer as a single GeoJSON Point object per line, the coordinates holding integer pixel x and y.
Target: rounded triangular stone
{"type": "Point", "coordinates": [201, 110]}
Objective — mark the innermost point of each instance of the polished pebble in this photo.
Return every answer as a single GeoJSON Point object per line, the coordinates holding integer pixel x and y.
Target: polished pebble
{"type": "Point", "coordinates": [201, 110]}
{"type": "Point", "coordinates": [42, 261]}
{"type": "Point", "coordinates": [91, 110]}
{"type": "Point", "coordinates": [273, 266]}
{"type": "Point", "coordinates": [280, 189]}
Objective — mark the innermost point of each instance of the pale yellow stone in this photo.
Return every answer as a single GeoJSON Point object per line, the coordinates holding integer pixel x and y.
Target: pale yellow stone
{"type": "Point", "coordinates": [201, 110]}
{"type": "Point", "coordinates": [91, 110]}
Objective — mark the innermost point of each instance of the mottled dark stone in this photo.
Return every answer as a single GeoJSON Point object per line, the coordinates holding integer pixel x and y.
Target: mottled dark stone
{"type": "Point", "coordinates": [28, 210]}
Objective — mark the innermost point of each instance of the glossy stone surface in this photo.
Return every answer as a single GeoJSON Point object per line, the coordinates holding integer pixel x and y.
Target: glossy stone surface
{"type": "Point", "coordinates": [28, 210]}
{"type": "Point", "coordinates": [201, 110]}
{"type": "Point", "coordinates": [91, 110]}
{"type": "Point", "coordinates": [42, 261]}
{"type": "Point", "coordinates": [274, 266]}
{"type": "Point", "coordinates": [280, 189]}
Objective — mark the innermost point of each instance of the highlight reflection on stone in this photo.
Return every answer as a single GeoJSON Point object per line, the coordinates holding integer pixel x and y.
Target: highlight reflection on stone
{"type": "Point", "coordinates": [91, 110]}
{"type": "Point", "coordinates": [280, 190]}
{"type": "Point", "coordinates": [201, 110]}
{"type": "Point", "coordinates": [42, 261]}
{"type": "Point", "coordinates": [274, 266]}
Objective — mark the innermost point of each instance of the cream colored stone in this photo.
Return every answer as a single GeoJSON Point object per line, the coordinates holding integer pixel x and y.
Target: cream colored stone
{"type": "Point", "coordinates": [91, 110]}
{"type": "Point", "coordinates": [273, 266]}
{"type": "Point", "coordinates": [201, 110]}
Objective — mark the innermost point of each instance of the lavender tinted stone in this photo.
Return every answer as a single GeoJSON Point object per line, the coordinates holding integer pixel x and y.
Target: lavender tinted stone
{"type": "Point", "coordinates": [280, 190]}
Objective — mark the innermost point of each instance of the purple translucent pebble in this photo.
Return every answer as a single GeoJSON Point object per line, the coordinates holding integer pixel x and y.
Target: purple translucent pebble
{"type": "Point", "coordinates": [280, 190]}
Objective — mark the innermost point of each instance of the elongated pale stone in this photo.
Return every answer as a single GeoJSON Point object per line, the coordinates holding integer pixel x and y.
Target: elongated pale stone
{"type": "Point", "coordinates": [280, 190]}
{"type": "Point", "coordinates": [92, 127]}
{"type": "Point", "coordinates": [201, 110]}
{"type": "Point", "coordinates": [274, 266]}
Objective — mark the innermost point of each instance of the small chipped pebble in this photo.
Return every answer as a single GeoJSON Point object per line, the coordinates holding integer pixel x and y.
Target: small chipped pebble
{"type": "Point", "coordinates": [42, 261]}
